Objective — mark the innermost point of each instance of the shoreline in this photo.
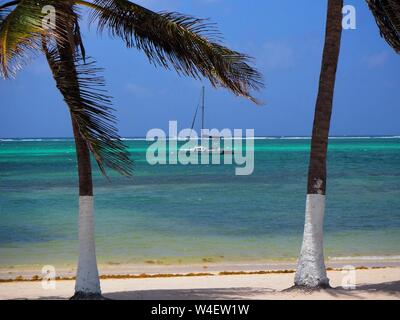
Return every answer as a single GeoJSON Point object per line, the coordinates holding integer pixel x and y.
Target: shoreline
{"type": "Point", "coordinates": [127, 271]}
{"type": "Point", "coordinates": [36, 278]}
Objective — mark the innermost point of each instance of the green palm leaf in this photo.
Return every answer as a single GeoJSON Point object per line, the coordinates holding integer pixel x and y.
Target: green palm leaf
{"type": "Point", "coordinates": [91, 108]}
{"type": "Point", "coordinates": [19, 36]}
{"type": "Point", "coordinates": [21, 29]}
{"type": "Point", "coordinates": [188, 45]}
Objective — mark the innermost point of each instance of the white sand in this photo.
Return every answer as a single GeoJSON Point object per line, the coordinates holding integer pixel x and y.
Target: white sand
{"type": "Point", "coordinates": [371, 284]}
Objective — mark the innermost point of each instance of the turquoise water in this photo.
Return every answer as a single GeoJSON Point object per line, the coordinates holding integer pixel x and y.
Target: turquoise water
{"type": "Point", "coordinates": [178, 214]}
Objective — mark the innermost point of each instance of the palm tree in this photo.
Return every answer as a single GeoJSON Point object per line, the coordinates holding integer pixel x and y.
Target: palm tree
{"type": "Point", "coordinates": [188, 45]}
{"type": "Point", "coordinates": [311, 271]}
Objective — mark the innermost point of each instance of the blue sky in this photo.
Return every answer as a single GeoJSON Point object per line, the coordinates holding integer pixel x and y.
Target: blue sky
{"type": "Point", "coordinates": [286, 39]}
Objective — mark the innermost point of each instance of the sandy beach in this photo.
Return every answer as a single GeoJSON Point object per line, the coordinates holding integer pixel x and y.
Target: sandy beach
{"type": "Point", "coordinates": [371, 283]}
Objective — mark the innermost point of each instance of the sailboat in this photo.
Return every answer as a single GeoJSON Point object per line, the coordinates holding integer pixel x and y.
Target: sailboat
{"type": "Point", "coordinates": [201, 148]}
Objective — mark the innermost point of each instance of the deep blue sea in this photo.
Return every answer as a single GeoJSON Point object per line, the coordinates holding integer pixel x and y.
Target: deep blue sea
{"type": "Point", "coordinates": [198, 213]}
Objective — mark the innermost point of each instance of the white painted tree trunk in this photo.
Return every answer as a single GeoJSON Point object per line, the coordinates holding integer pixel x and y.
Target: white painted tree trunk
{"type": "Point", "coordinates": [87, 278]}
{"type": "Point", "coordinates": [311, 271]}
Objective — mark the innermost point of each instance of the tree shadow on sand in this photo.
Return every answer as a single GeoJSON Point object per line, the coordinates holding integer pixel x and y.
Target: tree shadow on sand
{"type": "Point", "coordinates": [191, 294]}
{"type": "Point", "coordinates": [388, 288]}
{"type": "Point", "coordinates": [391, 288]}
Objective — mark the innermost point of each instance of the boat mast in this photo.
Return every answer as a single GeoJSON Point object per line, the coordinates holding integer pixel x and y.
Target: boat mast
{"type": "Point", "coordinates": [202, 110]}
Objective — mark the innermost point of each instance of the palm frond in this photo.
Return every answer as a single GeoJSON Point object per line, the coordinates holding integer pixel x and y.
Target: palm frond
{"type": "Point", "coordinates": [20, 32]}
{"type": "Point", "coordinates": [84, 92]}
{"type": "Point", "coordinates": [78, 39]}
{"type": "Point", "coordinates": [387, 16]}
{"type": "Point", "coordinates": [189, 45]}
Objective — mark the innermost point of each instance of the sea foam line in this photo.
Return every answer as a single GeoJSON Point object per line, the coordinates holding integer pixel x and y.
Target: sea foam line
{"type": "Point", "coordinates": [174, 138]}
{"type": "Point", "coordinates": [365, 258]}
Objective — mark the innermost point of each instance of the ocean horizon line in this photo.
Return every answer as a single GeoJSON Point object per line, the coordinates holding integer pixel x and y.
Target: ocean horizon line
{"type": "Point", "coordinates": [60, 139]}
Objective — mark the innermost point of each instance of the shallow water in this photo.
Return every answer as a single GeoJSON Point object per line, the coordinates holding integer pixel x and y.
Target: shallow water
{"type": "Point", "coordinates": [189, 214]}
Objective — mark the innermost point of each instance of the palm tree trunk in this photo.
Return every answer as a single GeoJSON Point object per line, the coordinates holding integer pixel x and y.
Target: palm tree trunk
{"type": "Point", "coordinates": [311, 271]}
{"type": "Point", "coordinates": [87, 279]}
